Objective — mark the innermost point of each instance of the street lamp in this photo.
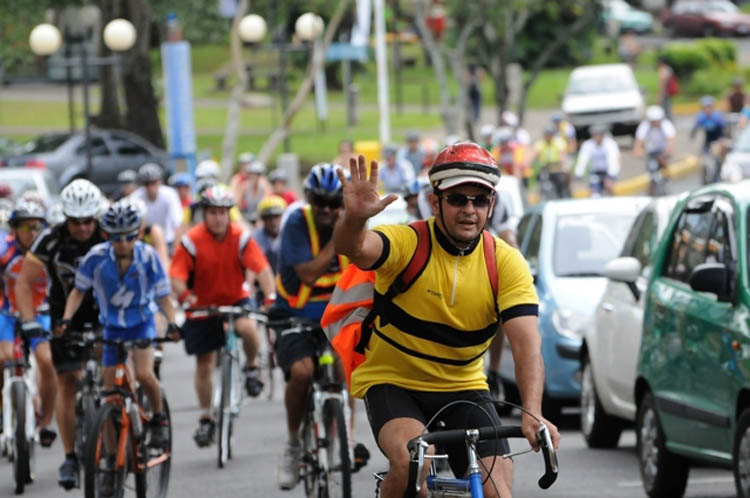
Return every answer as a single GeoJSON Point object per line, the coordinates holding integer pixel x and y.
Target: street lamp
{"type": "Point", "coordinates": [308, 27]}
{"type": "Point", "coordinates": [119, 35]}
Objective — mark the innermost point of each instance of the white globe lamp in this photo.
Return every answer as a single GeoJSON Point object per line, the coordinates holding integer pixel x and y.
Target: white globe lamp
{"type": "Point", "coordinates": [252, 28]}
{"type": "Point", "coordinates": [45, 39]}
{"type": "Point", "coordinates": [119, 35]}
{"type": "Point", "coordinates": [309, 26]}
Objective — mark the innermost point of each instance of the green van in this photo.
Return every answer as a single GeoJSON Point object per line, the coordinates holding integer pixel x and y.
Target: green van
{"type": "Point", "coordinates": [693, 383]}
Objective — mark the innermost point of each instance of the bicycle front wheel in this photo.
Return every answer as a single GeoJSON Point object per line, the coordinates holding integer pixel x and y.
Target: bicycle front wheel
{"type": "Point", "coordinates": [102, 471]}
{"type": "Point", "coordinates": [309, 459]}
{"type": "Point", "coordinates": [224, 415]}
{"type": "Point", "coordinates": [338, 479]}
{"type": "Point", "coordinates": [21, 446]}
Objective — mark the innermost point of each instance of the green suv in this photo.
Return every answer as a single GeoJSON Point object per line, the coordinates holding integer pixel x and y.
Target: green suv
{"type": "Point", "coordinates": [693, 384]}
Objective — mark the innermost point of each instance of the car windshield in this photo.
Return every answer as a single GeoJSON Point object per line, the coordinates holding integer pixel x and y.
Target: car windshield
{"type": "Point", "coordinates": [45, 143]}
{"type": "Point", "coordinates": [585, 243]}
{"type": "Point", "coordinates": [587, 85]}
{"type": "Point", "coordinates": [721, 7]}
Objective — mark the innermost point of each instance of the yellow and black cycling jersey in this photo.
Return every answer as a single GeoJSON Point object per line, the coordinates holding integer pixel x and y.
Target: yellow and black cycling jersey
{"type": "Point", "coordinates": [436, 332]}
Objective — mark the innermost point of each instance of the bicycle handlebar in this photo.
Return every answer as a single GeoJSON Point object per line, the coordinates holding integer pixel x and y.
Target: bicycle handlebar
{"type": "Point", "coordinates": [88, 339]}
{"type": "Point", "coordinates": [229, 311]}
{"type": "Point", "coordinates": [418, 445]}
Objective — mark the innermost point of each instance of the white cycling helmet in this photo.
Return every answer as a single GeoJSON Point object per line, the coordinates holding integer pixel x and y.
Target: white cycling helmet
{"type": "Point", "coordinates": [509, 119]}
{"type": "Point", "coordinates": [654, 113]}
{"type": "Point", "coordinates": [502, 135]}
{"type": "Point", "coordinates": [81, 199]}
{"type": "Point", "coordinates": [55, 214]}
{"type": "Point", "coordinates": [208, 168]}
{"type": "Point", "coordinates": [486, 131]}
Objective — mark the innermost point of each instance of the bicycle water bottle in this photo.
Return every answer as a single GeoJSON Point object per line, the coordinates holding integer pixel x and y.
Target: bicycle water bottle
{"type": "Point", "coordinates": [174, 30]}
{"type": "Point", "coordinates": [135, 418]}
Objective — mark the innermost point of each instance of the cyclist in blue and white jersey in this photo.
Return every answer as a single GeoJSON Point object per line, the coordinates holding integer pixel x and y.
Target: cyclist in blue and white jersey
{"type": "Point", "coordinates": [127, 278]}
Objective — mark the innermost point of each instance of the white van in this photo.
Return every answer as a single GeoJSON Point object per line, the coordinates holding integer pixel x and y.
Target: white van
{"type": "Point", "coordinates": [605, 94]}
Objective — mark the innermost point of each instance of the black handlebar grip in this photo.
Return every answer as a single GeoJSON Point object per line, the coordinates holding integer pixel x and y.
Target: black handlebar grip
{"type": "Point", "coordinates": [550, 460]}
{"type": "Point", "coordinates": [411, 487]}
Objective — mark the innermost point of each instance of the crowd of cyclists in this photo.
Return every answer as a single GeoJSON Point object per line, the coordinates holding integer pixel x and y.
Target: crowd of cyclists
{"type": "Point", "coordinates": [119, 265]}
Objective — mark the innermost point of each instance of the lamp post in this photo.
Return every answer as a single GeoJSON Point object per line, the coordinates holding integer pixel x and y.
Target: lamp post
{"type": "Point", "coordinates": [308, 27]}
{"type": "Point", "coordinates": [119, 35]}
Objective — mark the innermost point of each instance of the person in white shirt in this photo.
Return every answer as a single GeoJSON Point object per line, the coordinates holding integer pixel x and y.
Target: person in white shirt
{"type": "Point", "coordinates": [163, 207]}
{"type": "Point", "coordinates": [601, 155]}
{"type": "Point", "coordinates": [655, 135]}
{"type": "Point", "coordinates": [395, 174]}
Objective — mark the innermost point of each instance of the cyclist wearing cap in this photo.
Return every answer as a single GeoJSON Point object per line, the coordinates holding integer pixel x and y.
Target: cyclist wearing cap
{"type": "Point", "coordinates": [601, 155]}
{"type": "Point", "coordinates": [710, 120]}
{"type": "Point", "coordinates": [308, 270]}
{"type": "Point", "coordinates": [183, 185]}
{"type": "Point", "coordinates": [412, 152]}
{"type": "Point", "coordinates": [565, 130]}
{"type": "Point", "coordinates": [550, 155]}
{"type": "Point", "coordinates": [427, 342]}
{"type": "Point", "coordinates": [163, 206]}
{"type": "Point", "coordinates": [250, 189]}
{"type": "Point", "coordinates": [209, 267]}
{"type": "Point", "coordinates": [395, 173]}
{"type": "Point", "coordinates": [127, 279]}
{"type": "Point", "coordinates": [507, 152]}
{"type": "Point", "coordinates": [27, 220]}
{"type": "Point", "coordinates": [279, 186]}
{"type": "Point", "coordinates": [127, 180]}
{"type": "Point", "coordinates": [270, 210]}
{"type": "Point", "coordinates": [58, 251]}
{"type": "Point", "coordinates": [655, 135]}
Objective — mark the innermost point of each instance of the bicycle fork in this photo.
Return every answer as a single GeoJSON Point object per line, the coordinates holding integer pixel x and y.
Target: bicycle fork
{"type": "Point", "coordinates": [319, 398]}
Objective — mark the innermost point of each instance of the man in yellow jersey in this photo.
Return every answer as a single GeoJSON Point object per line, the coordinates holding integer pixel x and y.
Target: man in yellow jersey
{"type": "Point", "coordinates": [427, 342]}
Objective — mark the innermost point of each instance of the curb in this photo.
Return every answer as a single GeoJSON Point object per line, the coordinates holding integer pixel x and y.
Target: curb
{"type": "Point", "coordinates": [637, 184]}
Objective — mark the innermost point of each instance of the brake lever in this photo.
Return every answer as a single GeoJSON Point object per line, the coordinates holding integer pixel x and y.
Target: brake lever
{"type": "Point", "coordinates": [550, 457]}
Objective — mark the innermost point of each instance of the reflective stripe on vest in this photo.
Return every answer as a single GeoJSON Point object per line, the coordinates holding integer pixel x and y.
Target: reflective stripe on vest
{"type": "Point", "coordinates": [323, 288]}
{"type": "Point", "coordinates": [350, 302]}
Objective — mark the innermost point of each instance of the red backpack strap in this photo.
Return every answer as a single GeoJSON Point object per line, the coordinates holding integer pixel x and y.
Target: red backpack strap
{"type": "Point", "coordinates": [418, 261]}
{"type": "Point", "coordinates": [489, 259]}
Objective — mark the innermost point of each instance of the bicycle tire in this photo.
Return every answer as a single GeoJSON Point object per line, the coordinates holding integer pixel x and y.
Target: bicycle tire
{"type": "Point", "coordinates": [308, 456]}
{"type": "Point", "coordinates": [95, 456]}
{"type": "Point", "coordinates": [338, 480]}
{"type": "Point", "coordinates": [154, 482]}
{"type": "Point", "coordinates": [84, 420]}
{"type": "Point", "coordinates": [21, 452]}
{"type": "Point", "coordinates": [224, 415]}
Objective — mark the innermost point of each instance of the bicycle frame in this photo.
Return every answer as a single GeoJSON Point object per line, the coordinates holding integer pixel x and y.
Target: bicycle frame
{"type": "Point", "coordinates": [23, 370]}
{"type": "Point", "coordinates": [232, 352]}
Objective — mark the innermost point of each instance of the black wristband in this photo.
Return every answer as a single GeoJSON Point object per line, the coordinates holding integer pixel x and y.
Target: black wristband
{"type": "Point", "coordinates": [65, 322]}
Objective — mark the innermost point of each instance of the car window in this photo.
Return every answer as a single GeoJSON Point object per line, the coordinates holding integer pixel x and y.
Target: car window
{"type": "Point", "coordinates": [52, 186]}
{"type": "Point", "coordinates": [45, 143]}
{"type": "Point", "coordinates": [532, 247]}
{"type": "Point", "coordinates": [523, 227]}
{"type": "Point", "coordinates": [688, 248]}
{"type": "Point", "coordinates": [125, 147]}
{"type": "Point", "coordinates": [585, 243]}
{"type": "Point", "coordinates": [98, 147]}
{"type": "Point", "coordinates": [726, 7]}
{"type": "Point", "coordinates": [719, 248]}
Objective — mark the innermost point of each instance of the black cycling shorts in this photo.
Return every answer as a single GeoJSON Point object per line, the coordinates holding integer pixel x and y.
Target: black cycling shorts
{"type": "Point", "coordinates": [385, 402]}
{"type": "Point", "coordinates": [206, 335]}
{"type": "Point", "coordinates": [293, 347]}
{"type": "Point", "coordinates": [66, 357]}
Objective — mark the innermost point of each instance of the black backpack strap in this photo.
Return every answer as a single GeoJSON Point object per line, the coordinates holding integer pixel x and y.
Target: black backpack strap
{"type": "Point", "coordinates": [402, 282]}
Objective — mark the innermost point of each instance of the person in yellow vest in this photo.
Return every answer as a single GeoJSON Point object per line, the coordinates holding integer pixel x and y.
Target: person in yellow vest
{"type": "Point", "coordinates": [307, 271]}
{"type": "Point", "coordinates": [550, 157]}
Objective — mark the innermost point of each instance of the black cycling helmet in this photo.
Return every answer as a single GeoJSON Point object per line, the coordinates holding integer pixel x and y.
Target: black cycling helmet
{"type": "Point", "coordinates": [26, 210]}
{"type": "Point", "coordinates": [150, 172]}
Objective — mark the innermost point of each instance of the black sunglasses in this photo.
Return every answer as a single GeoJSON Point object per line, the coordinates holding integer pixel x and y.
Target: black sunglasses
{"type": "Point", "coordinates": [460, 200]}
{"type": "Point", "coordinates": [81, 221]}
{"type": "Point", "coordinates": [331, 202]}
{"type": "Point", "coordinates": [123, 237]}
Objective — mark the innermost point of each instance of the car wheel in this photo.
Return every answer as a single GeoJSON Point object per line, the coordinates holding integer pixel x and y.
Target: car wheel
{"type": "Point", "coordinates": [664, 474]}
{"type": "Point", "coordinates": [599, 429]}
{"type": "Point", "coordinates": [741, 455]}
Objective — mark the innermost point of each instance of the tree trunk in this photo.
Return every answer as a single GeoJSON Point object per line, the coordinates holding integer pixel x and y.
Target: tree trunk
{"type": "Point", "coordinates": [300, 97]}
{"type": "Point", "coordinates": [142, 116]}
{"type": "Point", "coordinates": [563, 35]}
{"type": "Point", "coordinates": [229, 146]}
{"type": "Point", "coordinates": [438, 64]}
{"type": "Point", "coordinates": [457, 57]}
{"type": "Point", "coordinates": [109, 115]}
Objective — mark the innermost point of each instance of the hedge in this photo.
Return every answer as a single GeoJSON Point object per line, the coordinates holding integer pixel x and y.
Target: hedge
{"type": "Point", "coordinates": [687, 58]}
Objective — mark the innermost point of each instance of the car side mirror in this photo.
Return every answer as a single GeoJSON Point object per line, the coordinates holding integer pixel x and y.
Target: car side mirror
{"type": "Point", "coordinates": [626, 270]}
{"type": "Point", "coordinates": [713, 278]}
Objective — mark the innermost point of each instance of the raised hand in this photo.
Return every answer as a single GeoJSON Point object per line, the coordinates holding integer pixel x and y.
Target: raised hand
{"type": "Point", "coordinates": [361, 199]}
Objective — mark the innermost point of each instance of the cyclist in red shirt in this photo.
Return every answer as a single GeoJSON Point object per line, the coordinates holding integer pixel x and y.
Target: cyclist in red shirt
{"type": "Point", "coordinates": [209, 267]}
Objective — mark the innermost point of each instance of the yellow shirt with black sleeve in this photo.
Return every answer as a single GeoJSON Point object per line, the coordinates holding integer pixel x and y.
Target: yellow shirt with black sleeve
{"type": "Point", "coordinates": [435, 333]}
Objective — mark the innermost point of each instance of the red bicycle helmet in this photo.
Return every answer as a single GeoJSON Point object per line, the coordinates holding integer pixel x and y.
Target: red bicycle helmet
{"type": "Point", "coordinates": [464, 162]}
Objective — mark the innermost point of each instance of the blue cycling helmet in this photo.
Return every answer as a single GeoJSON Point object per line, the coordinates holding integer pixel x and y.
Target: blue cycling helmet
{"type": "Point", "coordinates": [122, 217]}
{"type": "Point", "coordinates": [323, 180]}
{"type": "Point", "coordinates": [181, 180]}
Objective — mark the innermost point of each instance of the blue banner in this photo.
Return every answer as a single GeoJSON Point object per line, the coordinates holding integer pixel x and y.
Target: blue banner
{"type": "Point", "coordinates": [178, 96]}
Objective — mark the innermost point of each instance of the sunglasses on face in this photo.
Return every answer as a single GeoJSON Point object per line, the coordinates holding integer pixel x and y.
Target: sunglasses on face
{"type": "Point", "coordinates": [81, 221]}
{"type": "Point", "coordinates": [120, 237]}
{"type": "Point", "coordinates": [331, 202]}
{"type": "Point", "coordinates": [37, 227]}
{"type": "Point", "coordinates": [460, 200]}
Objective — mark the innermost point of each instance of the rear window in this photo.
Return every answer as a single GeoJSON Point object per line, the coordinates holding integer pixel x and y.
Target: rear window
{"type": "Point", "coordinates": [45, 143]}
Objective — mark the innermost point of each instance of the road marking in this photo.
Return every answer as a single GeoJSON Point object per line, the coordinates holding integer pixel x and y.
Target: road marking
{"type": "Point", "coordinates": [691, 481]}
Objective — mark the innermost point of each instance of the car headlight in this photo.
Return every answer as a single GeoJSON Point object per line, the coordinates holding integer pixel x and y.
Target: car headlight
{"type": "Point", "coordinates": [569, 324]}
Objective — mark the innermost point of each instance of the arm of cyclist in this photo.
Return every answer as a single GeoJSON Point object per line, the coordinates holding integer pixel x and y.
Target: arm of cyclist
{"type": "Point", "coordinates": [361, 201]}
{"type": "Point", "coordinates": [71, 306]}
{"type": "Point", "coordinates": [30, 271]}
{"type": "Point", "coordinates": [583, 159]}
{"type": "Point", "coordinates": [159, 243]}
{"type": "Point", "coordinates": [173, 331]}
{"type": "Point", "coordinates": [310, 271]}
{"type": "Point", "coordinates": [267, 285]}
{"type": "Point", "coordinates": [526, 344]}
